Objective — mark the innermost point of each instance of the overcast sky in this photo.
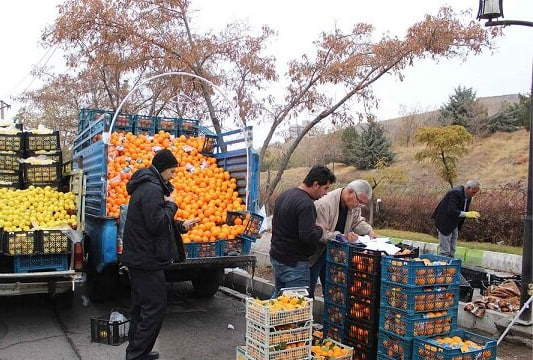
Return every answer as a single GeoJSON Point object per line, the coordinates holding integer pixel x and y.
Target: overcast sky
{"type": "Point", "coordinates": [427, 84]}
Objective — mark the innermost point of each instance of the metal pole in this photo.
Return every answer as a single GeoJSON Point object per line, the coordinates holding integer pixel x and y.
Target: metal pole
{"type": "Point", "coordinates": [527, 250]}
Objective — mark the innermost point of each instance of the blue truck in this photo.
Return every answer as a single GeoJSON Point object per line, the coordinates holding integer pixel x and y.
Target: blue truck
{"type": "Point", "coordinates": [101, 244]}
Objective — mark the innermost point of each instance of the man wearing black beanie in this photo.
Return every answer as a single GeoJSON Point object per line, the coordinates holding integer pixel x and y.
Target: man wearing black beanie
{"type": "Point", "coordinates": [151, 243]}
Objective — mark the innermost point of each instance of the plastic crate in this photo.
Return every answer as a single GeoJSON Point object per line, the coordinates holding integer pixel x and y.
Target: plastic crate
{"type": "Point", "coordinates": [262, 315]}
{"type": "Point", "coordinates": [348, 355]}
{"type": "Point", "coordinates": [465, 293]}
{"type": "Point", "coordinates": [55, 155]}
{"type": "Point", "coordinates": [89, 116]}
{"type": "Point", "coordinates": [428, 348]}
{"type": "Point", "coordinates": [337, 274]}
{"type": "Point", "coordinates": [353, 256]}
{"type": "Point", "coordinates": [252, 225]}
{"type": "Point", "coordinates": [361, 333]}
{"type": "Point", "coordinates": [415, 273]}
{"type": "Point", "coordinates": [364, 286]}
{"type": "Point", "coordinates": [288, 334]}
{"type": "Point", "coordinates": [20, 243]}
{"type": "Point", "coordinates": [362, 352]}
{"type": "Point", "coordinates": [38, 174]}
{"type": "Point", "coordinates": [200, 250]}
{"type": "Point", "coordinates": [258, 351]}
{"type": "Point", "coordinates": [67, 168]}
{"type": "Point", "coordinates": [365, 311]}
{"type": "Point", "coordinates": [36, 142]}
{"type": "Point", "coordinates": [124, 123]}
{"type": "Point", "coordinates": [54, 242]}
{"type": "Point", "coordinates": [9, 161]}
{"type": "Point", "coordinates": [418, 300]}
{"type": "Point", "coordinates": [239, 246]}
{"type": "Point", "coordinates": [394, 347]}
{"type": "Point", "coordinates": [334, 332]}
{"type": "Point", "coordinates": [188, 128]}
{"type": "Point", "coordinates": [144, 124]}
{"type": "Point", "coordinates": [419, 324]}
{"type": "Point", "coordinates": [11, 142]}
{"type": "Point", "coordinates": [335, 314]}
{"type": "Point", "coordinates": [190, 251]}
{"type": "Point", "coordinates": [10, 177]}
{"type": "Point", "coordinates": [169, 125]}
{"type": "Point", "coordinates": [209, 144]}
{"type": "Point", "coordinates": [57, 185]}
{"type": "Point", "coordinates": [111, 333]}
{"type": "Point", "coordinates": [34, 263]}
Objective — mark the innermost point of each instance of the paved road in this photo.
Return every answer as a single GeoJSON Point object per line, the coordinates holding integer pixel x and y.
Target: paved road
{"type": "Point", "coordinates": [194, 329]}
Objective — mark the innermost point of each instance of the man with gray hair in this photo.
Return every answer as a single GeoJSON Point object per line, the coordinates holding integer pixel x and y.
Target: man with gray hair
{"type": "Point", "coordinates": [339, 212]}
{"type": "Point", "coordinates": [451, 213]}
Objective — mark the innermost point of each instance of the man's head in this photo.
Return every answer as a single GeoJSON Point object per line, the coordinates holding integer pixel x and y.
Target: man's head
{"type": "Point", "coordinates": [318, 180]}
{"type": "Point", "coordinates": [165, 162]}
{"type": "Point", "coordinates": [472, 187]}
{"type": "Point", "coordinates": [356, 194]}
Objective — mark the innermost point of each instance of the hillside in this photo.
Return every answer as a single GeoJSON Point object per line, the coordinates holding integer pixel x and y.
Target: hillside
{"type": "Point", "coordinates": [496, 160]}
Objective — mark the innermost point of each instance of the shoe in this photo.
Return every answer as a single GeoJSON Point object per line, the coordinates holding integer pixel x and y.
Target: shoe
{"type": "Point", "coordinates": [152, 355]}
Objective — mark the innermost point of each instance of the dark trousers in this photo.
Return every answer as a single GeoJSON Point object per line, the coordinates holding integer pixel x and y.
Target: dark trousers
{"type": "Point", "coordinates": [318, 270]}
{"type": "Point", "coordinates": [149, 301]}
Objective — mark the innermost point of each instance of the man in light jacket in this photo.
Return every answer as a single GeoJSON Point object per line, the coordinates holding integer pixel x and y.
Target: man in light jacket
{"type": "Point", "coordinates": [339, 212]}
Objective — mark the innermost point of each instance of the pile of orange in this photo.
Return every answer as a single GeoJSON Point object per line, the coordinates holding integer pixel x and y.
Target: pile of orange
{"type": "Point", "coordinates": [201, 189]}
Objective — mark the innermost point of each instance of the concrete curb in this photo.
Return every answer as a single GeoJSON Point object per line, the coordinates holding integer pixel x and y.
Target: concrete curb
{"type": "Point", "coordinates": [493, 322]}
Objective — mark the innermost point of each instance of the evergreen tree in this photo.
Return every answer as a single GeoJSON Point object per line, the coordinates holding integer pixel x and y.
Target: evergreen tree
{"type": "Point", "coordinates": [463, 109]}
{"type": "Point", "coordinates": [350, 139]}
{"type": "Point", "coordinates": [513, 117]}
{"type": "Point", "coordinates": [372, 146]}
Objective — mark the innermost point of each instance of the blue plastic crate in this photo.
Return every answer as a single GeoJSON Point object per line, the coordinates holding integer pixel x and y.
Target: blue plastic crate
{"type": "Point", "coordinates": [443, 271]}
{"type": "Point", "coordinates": [335, 314]}
{"type": "Point", "coordinates": [33, 263]}
{"type": "Point", "coordinates": [428, 324]}
{"type": "Point", "coordinates": [144, 124]}
{"type": "Point", "coordinates": [238, 246]}
{"type": "Point", "coordinates": [201, 250]}
{"type": "Point", "coordinates": [188, 128]}
{"type": "Point", "coordinates": [412, 300]}
{"type": "Point", "coordinates": [394, 347]}
{"type": "Point", "coordinates": [169, 125]}
{"type": "Point", "coordinates": [124, 123]}
{"type": "Point", "coordinates": [425, 348]}
{"type": "Point", "coordinates": [190, 251]}
{"type": "Point", "coordinates": [336, 273]}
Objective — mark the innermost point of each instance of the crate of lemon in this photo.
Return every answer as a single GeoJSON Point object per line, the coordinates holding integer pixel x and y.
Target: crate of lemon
{"type": "Point", "coordinates": [202, 189]}
{"type": "Point", "coordinates": [29, 219]}
{"type": "Point", "coordinates": [331, 350]}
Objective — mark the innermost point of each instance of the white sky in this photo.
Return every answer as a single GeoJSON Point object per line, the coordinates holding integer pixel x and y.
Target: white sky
{"type": "Point", "coordinates": [427, 85]}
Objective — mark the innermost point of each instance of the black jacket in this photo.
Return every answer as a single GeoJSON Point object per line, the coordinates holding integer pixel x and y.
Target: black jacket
{"type": "Point", "coordinates": [446, 215]}
{"type": "Point", "coordinates": [295, 234]}
{"type": "Point", "coordinates": [152, 238]}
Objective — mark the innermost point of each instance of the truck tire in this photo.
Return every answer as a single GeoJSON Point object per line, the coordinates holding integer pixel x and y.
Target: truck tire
{"type": "Point", "coordinates": [208, 282]}
{"type": "Point", "coordinates": [102, 286]}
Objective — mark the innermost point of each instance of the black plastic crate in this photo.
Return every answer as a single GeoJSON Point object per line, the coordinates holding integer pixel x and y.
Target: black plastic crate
{"type": "Point", "coordinates": [10, 177]}
{"type": "Point", "coordinates": [352, 332]}
{"type": "Point", "coordinates": [55, 155]}
{"type": "Point", "coordinates": [54, 242]}
{"type": "Point", "coordinates": [252, 220]}
{"type": "Point", "coordinates": [56, 185]}
{"type": "Point", "coordinates": [466, 293]}
{"type": "Point", "coordinates": [39, 174]}
{"type": "Point", "coordinates": [362, 352]}
{"type": "Point", "coordinates": [20, 243]}
{"type": "Point", "coordinates": [364, 311]}
{"type": "Point", "coordinates": [11, 142]}
{"type": "Point", "coordinates": [9, 161]}
{"type": "Point", "coordinates": [36, 142]}
{"type": "Point", "coordinates": [112, 333]}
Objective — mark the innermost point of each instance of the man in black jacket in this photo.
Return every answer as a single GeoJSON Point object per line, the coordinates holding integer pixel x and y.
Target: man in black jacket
{"type": "Point", "coordinates": [451, 213]}
{"type": "Point", "coordinates": [295, 233]}
{"type": "Point", "coordinates": [151, 243]}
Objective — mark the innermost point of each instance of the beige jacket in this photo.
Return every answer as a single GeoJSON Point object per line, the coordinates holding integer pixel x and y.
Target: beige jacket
{"type": "Point", "coordinates": [327, 208]}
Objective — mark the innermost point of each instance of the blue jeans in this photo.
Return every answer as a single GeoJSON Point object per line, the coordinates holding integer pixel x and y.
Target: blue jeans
{"type": "Point", "coordinates": [318, 270]}
{"type": "Point", "coordinates": [289, 276]}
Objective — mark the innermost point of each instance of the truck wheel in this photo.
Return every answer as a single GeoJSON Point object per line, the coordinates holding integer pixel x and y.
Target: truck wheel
{"type": "Point", "coordinates": [207, 283]}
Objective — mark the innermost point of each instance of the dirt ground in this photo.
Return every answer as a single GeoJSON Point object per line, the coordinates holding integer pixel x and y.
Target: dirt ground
{"type": "Point", "coordinates": [506, 350]}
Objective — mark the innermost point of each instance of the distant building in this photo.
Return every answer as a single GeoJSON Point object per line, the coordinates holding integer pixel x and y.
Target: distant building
{"type": "Point", "coordinates": [296, 129]}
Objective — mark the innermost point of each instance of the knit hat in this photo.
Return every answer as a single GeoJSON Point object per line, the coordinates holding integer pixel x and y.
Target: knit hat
{"type": "Point", "coordinates": [164, 159]}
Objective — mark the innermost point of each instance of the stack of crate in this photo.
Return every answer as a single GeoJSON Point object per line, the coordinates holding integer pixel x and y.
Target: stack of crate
{"type": "Point", "coordinates": [278, 332]}
{"type": "Point", "coordinates": [45, 145]}
{"type": "Point", "coordinates": [419, 297]}
{"type": "Point", "coordinates": [352, 297]}
{"type": "Point", "coordinates": [11, 150]}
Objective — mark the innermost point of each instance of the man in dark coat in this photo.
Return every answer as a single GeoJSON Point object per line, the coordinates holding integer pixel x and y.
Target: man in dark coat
{"type": "Point", "coordinates": [451, 213]}
{"type": "Point", "coordinates": [151, 243]}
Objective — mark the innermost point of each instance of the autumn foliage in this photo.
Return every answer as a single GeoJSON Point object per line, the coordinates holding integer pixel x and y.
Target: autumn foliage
{"type": "Point", "coordinates": [202, 189]}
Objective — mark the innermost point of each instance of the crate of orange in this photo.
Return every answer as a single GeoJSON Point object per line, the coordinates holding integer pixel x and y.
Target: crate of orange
{"type": "Point", "coordinates": [251, 221]}
{"type": "Point", "coordinates": [427, 270]}
{"type": "Point", "coordinates": [330, 349]}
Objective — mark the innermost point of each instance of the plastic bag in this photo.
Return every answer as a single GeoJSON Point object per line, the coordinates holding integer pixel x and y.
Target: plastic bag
{"type": "Point", "coordinates": [119, 317]}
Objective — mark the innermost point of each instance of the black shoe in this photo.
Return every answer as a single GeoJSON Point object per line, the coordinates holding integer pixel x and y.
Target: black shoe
{"type": "Point", "coordinates": [152, 355]}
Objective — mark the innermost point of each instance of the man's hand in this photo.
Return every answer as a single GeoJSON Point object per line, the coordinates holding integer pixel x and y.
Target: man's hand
{"type": "Point", "coordinates": [472, 214]}
{"type": "Point", "coordinates": [188, 224]}
{"type": "Point", "coordinates": [170, 198]}
{"type": "Point", "coordinates": [351, 237]}
{"type": "Point", "coordinates": [372, 234]}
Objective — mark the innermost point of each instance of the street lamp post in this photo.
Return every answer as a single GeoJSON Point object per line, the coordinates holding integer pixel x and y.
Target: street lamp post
{"type": "Point", "coordinates": [488, 10]}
